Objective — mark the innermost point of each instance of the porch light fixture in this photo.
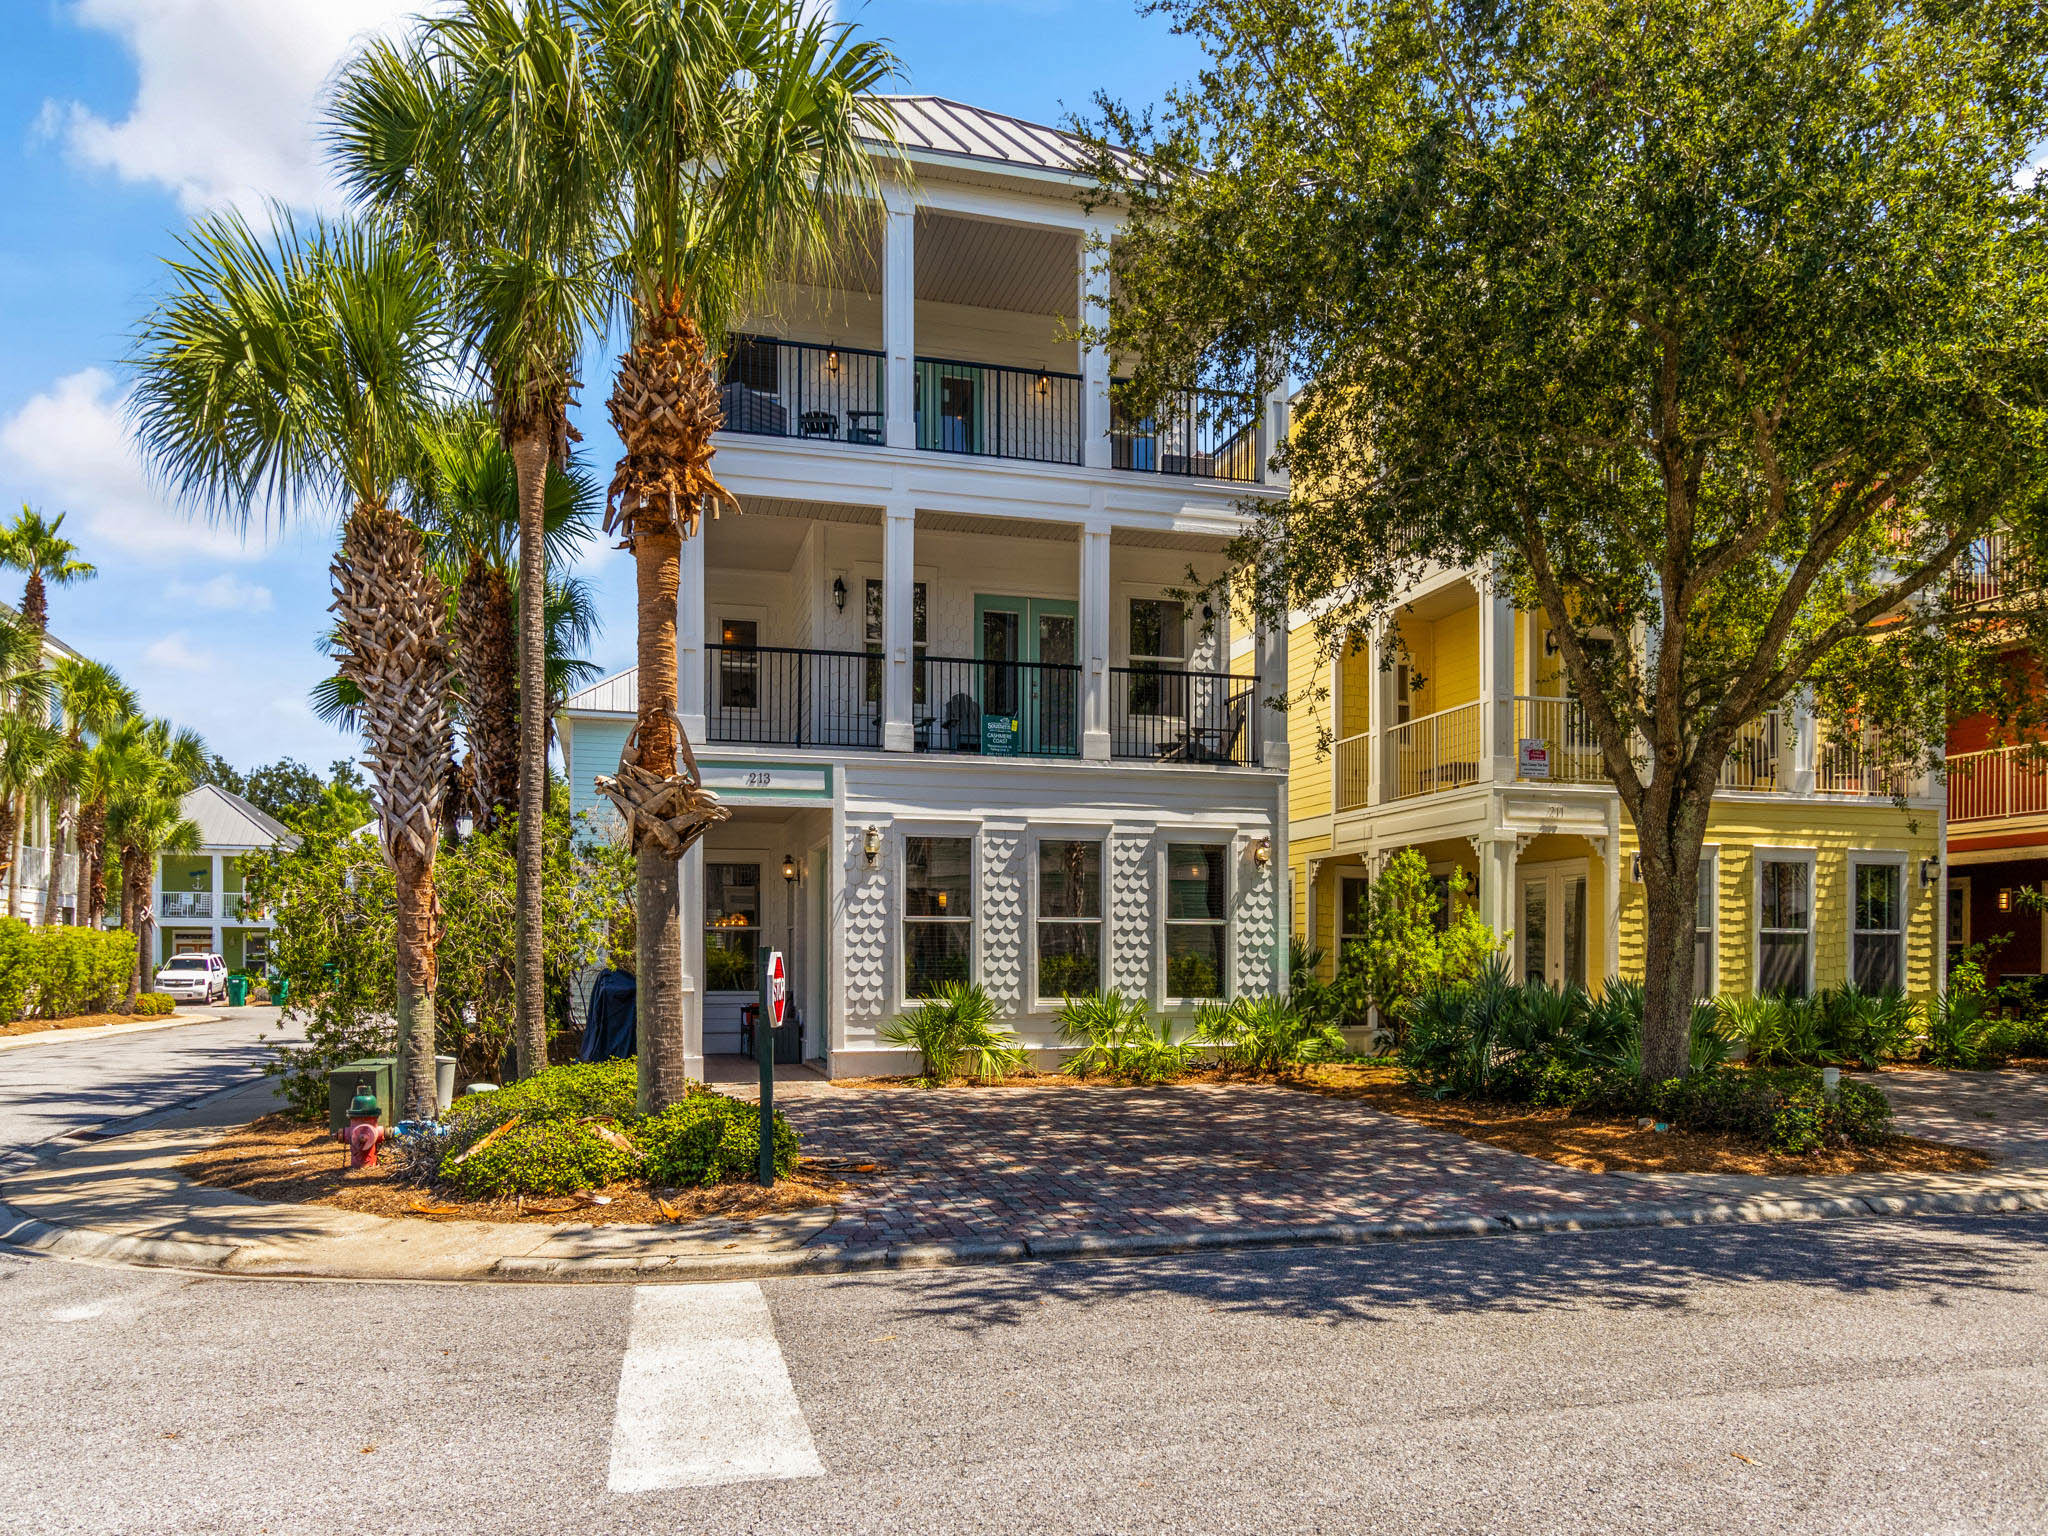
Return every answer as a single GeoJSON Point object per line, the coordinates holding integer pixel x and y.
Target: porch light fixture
{"type": "Point", "coordinates": [1044, 382]}
{"type": "Point", "coordinates": [2005, 898]}
{"type": "Point", "coordinates": [871, 843]}
{"type": "Point", "coordinates": [1930, 871]}
{"type": "Point", "coordinates": [839, 593]}
{"type": "Point", "coordinates": [832, 358]}
{"type": "Point", "coordinates": [790, 872]}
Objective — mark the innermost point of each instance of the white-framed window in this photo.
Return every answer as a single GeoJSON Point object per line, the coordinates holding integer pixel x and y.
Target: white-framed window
{"type": "Point", "coordinates": [938, 913]}
{"type": "Point", "coordinates": [1197, 929]}
{"type": "Point", "coordinates": [1159, 646]}
{"type": "Point", "coordinates": [872, 637]}
{"type": "Point", "coordinates": [1877, 924]}
{"type": "Point", "coordinates": [732, 927]}
{"type": "Point", "coordinates": [1958, 916]}
{"type": "Point", "coordinates": [1069, 917]}
{"type": "Point", "coordinates": [1354, 905]}
{"type": "Point", "coordinates": [1707, 906]}
{"type": "Point", "coordinates": [1784, 922]}
{"type": "Point", "coordinates": [739, 669]}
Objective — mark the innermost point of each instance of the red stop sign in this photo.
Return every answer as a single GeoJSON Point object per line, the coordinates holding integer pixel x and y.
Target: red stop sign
{"type": "Point", "coordinates": [778, 988]}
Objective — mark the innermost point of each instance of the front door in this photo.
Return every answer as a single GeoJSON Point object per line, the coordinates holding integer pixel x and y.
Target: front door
{"type": "Point", "coordinates": [1035, 707]}
{"type": "Point", "coordinates": [1550, 942]}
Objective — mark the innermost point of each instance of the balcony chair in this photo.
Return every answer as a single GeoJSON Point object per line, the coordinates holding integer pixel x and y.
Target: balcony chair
{"type": "Point", "coordinates": [962, 723]}
{"type": "Point", "coordinates": [1211, 743]}
{"type": "Point", "coordinates": [818, 424]}
{"type": "Point", "coordinates": [753, 410]}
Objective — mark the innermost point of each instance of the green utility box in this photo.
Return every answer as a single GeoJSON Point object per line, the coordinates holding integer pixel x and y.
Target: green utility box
{"type": "Point", "coordinates": [381, 1075]}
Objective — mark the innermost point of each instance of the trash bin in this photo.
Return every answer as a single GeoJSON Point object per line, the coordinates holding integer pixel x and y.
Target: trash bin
{"type": "Point", "coordinates": [238, 991]}
{"type": "Point", "coordinates": [281, 991]}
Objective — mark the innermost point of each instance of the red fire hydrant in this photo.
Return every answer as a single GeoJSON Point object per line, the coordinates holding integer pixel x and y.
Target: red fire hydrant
{"type": "Point", "coordinates": [364, 1134]}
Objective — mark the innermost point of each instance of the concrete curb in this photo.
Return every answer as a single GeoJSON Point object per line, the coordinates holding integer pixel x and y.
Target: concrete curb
{"type": "Point", "coordinates": [106, 1031]}
{"type": "Point", "coordinates": [240, 1260]}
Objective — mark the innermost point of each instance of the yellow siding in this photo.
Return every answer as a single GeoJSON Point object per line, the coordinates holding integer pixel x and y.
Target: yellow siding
{"type": "Point", "coordinates": [1420, 643]}
{"type": "Point", "coordinates": [1354, 697]}
{"type": "Point", "coordinates": [1308, 711]}
{"type": "Point", "coordinates": [1455, 642]}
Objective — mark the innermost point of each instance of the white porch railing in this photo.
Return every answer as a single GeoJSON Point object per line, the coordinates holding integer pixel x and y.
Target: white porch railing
{"type": "Point", "coordinates": [1753, 759]}
{"type": "Point", "coordinates": [1560, 724]}
{"type": "Point", "coordinates": [1354, 771]}
{"type": "Point", "coordinates": [186, 904]}
{"type": "Point", "coordinates": [1996, 784]}
{"type": "Point", "coordinates": [1845, 768]}
{"type": "Point", "coordinates": [1436, 753]}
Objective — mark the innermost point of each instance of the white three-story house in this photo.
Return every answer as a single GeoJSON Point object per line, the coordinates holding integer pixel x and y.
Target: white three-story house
{"type": "Point", "coordinates": [943, 669]}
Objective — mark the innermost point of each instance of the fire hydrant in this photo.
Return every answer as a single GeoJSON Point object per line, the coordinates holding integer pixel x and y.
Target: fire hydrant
{"type": "Point", "coordinates": [364, 1134]}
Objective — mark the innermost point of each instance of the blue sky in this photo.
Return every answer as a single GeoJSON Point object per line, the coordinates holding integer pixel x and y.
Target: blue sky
{"type": "Point", "coordinates": [122, 118]}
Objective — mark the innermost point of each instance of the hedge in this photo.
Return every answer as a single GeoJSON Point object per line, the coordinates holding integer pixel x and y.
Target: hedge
{"type": "Point", "coordinates": [57, 973]}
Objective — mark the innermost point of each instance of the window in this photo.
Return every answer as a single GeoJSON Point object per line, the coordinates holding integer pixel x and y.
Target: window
{"type": "Point", "coordinates": [938, 913]}
{"type": "Point", "coordinates": [732, 927]}
{"type": "Point", "coordinates": [1195, 895]}
{"type": "Point", "coordinates": [1069, 918]}
{"type": "Point", "coordinates": [1404, 694]}
{"type": "Point", "coordinates": [1877, 960]}
{"type": "Point", "coordinates": [1958, 917]}
{"type": "Point", "coordinates": [1354, 906]}
{"type": "Point", "coordinates": [871, 633]}
{"type": "Point", "coordinates": [1703, 975]}
{"type": "Point", "coordinates": [1784, 926]}
{"type": "Point", "coordinates": [739, 670]}
{"type": "Point", "coordinates": [750, 362]}
{"type": "Point", "coordinates": [1159, 645]}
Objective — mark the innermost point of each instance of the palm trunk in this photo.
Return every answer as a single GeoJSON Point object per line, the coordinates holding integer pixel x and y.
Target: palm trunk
{"type": "Point", "coordinates": [92, 864]}
{"type": "Point", "coordinates": [19, 816]}
{"type": "Point", "coordinates": [390, 612]}
{"type": "Point", "coordinates": [530, 1031]}
{"type": "Point", "coordinates": [10, 845]}
{"type": "Point", "coordinates": [134, 898]}
{"type": "Point", "coordinates": [484, 655]}
{"type": "Point", "coordinates": [657, 885]}
{"type": "Point", "coordinates": [62, 814]}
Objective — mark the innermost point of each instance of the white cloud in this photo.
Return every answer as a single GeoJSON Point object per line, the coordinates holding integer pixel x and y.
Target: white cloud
{"type": "Point", "coordinates": [223, 594]}
{"type": "Point", "coordinates": [227, 94]}
{"type": "Point", "coordinates": [175, 652]}
{"type": "Point", "coordinates": [70, 450]}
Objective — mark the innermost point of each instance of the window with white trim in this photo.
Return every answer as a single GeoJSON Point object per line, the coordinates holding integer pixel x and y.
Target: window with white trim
{"type": "Point", "coordinates": [1354, 909]}
{"type": "Point", "coordinates": [871, 636]}
{"type": "Point", "coordinates": [938, 913]}
{"type": "Point", "coordinates": [1069, 917]}
{"type": "Point", "coordinates": [1877, 937]}
{"type": "Point", "coordinates": [1197, 891]}
{"type": "Point", "coordinates": [1784, 926]}
{"type": "Point", "coordinates": [1159, 645]}
{"type": "Point", "coordinates": [739, 668]}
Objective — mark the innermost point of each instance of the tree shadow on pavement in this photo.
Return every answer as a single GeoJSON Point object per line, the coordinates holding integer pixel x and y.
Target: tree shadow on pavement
{"type": "Point", "coordinates": [1656, 1268]}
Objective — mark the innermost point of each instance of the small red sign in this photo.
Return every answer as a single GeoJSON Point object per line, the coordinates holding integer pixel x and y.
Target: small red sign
{"type": "Point", "coordinates": [778, 988]}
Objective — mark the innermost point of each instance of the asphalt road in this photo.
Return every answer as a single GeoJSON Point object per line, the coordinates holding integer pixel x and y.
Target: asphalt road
{"type": "Point", "coordinates": [1846, 1376]}
{"type": "Point", "coordinates": [84, 1078]}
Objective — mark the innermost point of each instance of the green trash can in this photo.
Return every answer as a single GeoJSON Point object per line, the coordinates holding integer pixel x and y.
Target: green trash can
{"type": "Point", "coordinates": [238, 991]}
{"type": "Point", "coordinates": [281, 993]}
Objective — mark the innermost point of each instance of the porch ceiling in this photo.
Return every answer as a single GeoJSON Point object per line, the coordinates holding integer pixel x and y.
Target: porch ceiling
{"type": "Point", "coordinates": [1186, 542]}
{"type": "Point", "coordinates": [986, 265]}
{"type": "Point", "coordinates": [809, 511]}
{"type": "Point", "coordinates": [999, 527]}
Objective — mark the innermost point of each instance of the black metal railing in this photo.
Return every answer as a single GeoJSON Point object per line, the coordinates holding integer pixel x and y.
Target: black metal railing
{"type": "Point", "coordinates": [1171, 716]}
{"type": "Point", "coordinates": [998, 412]}
{"type": "Point", "coordinates": [776, 388]}
{"type": "Point", "coordinates": [998, 708]}
{"type": "Point", "coordinates": [777, 696]}
{"type": "Point", "coordinates": [1206, 433]}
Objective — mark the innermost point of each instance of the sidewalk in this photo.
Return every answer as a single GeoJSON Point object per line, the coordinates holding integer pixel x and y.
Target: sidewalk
{"type": "Point", "coordinates": [998, 1175]}
{"type": "Point", "coordinates": [106, 1031]}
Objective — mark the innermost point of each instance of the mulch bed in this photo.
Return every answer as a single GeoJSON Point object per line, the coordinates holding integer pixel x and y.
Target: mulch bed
{"type": "Point", "coordinates": [1599, 1144]}
{"type": "Point", "coordinates": [78, 1021]}
{"type": "Point", "coordinates": [283, 1158]}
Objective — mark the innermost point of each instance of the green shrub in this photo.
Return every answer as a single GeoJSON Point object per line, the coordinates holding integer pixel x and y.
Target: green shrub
{"type": "Point", "coordinates": [1118, 1038]}
{"type": "Point", "coordinates": [1961, 1031]}
{"type": "Point", "coordinates": [1266, 1034]}
{"type": "Point", "coordinates": [956, 1035]}
{"type": "Point", "coordinates": [61, 972]}
{"type": "Point", "coordinates": [605, 1090]}
{"type": "Point", "coordinates": [710, 1139]}
{"type": "Point", "coordinates": [150, 1005]}
{"type": "Point", "coordinates": [544, 1157]}
{"type": "Point", "coordinates": [1785, 1110]}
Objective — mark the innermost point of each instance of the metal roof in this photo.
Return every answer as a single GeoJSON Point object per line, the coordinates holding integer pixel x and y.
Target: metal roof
{"type": "Point", "coordinates": [936, 125]}
{"type": "Point", "coordinates": [228, 821]}
{"type": "Point", "coordinates": [618, 694]}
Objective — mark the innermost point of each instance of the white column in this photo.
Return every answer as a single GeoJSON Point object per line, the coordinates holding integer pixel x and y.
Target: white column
{"type": "Point", "coordinates": [1381, 680]}
{"type": "Point", "coordinates": [691, 906]}
{"type": "Point", "coordinates": [691, 623]}
{"type": "Point", "coordinates": [1797, 763]}
{"type": "Point", "coordinates": [1095, 647]}
{"type": "Point", "coordinates": [1497, 749]}
{"type": "Point", "coordinates": [899, 574]}
{"type": "Point", "coordinates": [1497, 859]}
{"type": "Point", "coordinates": [220, 899]}
{"type": "Point", "coordinates": [1273, 430]}
{"type": "Point", "coordinates": [1269, 724]}
{"type": "Point", "coordinates": [899, 314]}
{"type": "Point", "coordinates": [1094, 360]}
{"type": "Point", "coordinates": [1611, 936]}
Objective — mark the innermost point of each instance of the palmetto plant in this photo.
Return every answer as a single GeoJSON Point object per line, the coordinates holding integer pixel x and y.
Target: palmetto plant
{"type": "Point", "coordinates": [91, 699]}
{"type": "Point", "coordinates": [477, 133]}
{"type": "Point", "coordinates": [956, 1035]}
{"type": "Point", "coordinates": [295, 370]}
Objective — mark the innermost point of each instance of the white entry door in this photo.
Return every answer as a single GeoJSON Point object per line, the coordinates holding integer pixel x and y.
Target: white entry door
{"type": "Point", "coordinates": [1550, 941]}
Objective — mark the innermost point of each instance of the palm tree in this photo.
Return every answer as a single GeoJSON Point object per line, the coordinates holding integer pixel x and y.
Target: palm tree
{"type": "Point", "coordinates": [744, 128]}
{"type": "Point", "coordinates": [152, 767]}
{"type": "Point", "coordinates": [28, 746]}
{"type": "Point", "coordinates": [297, 368]}
{"type": "Point", "coordinates": [475, 133]}
{"type": "Point", "coordinates": [94, 775]}
{"type": "Point", "coordinates": [37, 547]}
{"type": "Point", "coordinates": [91, 698]}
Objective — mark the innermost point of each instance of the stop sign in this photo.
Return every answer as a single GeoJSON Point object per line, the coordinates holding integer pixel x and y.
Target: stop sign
{"type": "Point", "coordinates": [778, 988]}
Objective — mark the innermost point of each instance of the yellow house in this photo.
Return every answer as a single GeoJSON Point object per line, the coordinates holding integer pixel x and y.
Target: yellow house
{"type": "Point", "coordinates": [1452, 732]}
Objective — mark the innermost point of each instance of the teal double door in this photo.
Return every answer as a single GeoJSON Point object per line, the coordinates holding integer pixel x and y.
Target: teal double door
{"type": "Point", "coordinates": [1030, 650]}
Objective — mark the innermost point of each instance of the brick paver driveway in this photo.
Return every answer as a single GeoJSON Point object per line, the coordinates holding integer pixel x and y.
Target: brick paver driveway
{"type": "Point", "coordinates": [1017, 1163]}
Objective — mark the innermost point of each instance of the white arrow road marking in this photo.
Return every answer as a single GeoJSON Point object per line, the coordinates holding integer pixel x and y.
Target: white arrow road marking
{"type": "Point", "coordinates": [704, 1396]}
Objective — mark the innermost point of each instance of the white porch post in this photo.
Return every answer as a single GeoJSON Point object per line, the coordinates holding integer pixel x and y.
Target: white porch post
{"type": "Point", "coordinates": [1611, 936]}
{"type": "Point", "coordinates": [899, 575]}
{"type": "Point", "coordinates": [1094, 360]}
{"type": "Point", "coordinates": [1095, 647]}
{"type": "Point", "coordinates": [1497, 746]}
{"type": "Point", "coordinates": [691, 622]}
{"type": "Point", "coordinates": [219, 904]}
{"type": "Point", "coordinates": [1497, 858]}
{"type": "Point", "coordinates": [1797, 759]}
{"type": "Point", "coordinates": [1268, 725]}
{"type": "Point", "coordinates": [1272, 435]}
{"type": "Point", "coordinates": [1380, 681]}
{"type": "Point", "coordinates": [899, 315]}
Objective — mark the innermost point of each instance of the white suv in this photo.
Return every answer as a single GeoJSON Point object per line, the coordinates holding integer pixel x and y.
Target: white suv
{"type": "Point", "coordinates": [193, 978]}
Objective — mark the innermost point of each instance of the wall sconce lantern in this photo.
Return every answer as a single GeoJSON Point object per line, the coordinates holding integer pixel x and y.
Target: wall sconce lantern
{"type": "Point", "coordinates": [1044, 382]}
{"type": "Point", "coordinates": [1262, 852]}
{"type": "Point", "coordinates": [2005, 899]}
{"type": "Point", "coordinates": [871, 843]}
{"type": "Point", "coordinates": [790, 870]}
{"type": "Point", "coordinates": [839, 593]}
{"type": "Point", "coordinates": [1930, 871]}
{"type": "Point", "coordinates": [832, 358]}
